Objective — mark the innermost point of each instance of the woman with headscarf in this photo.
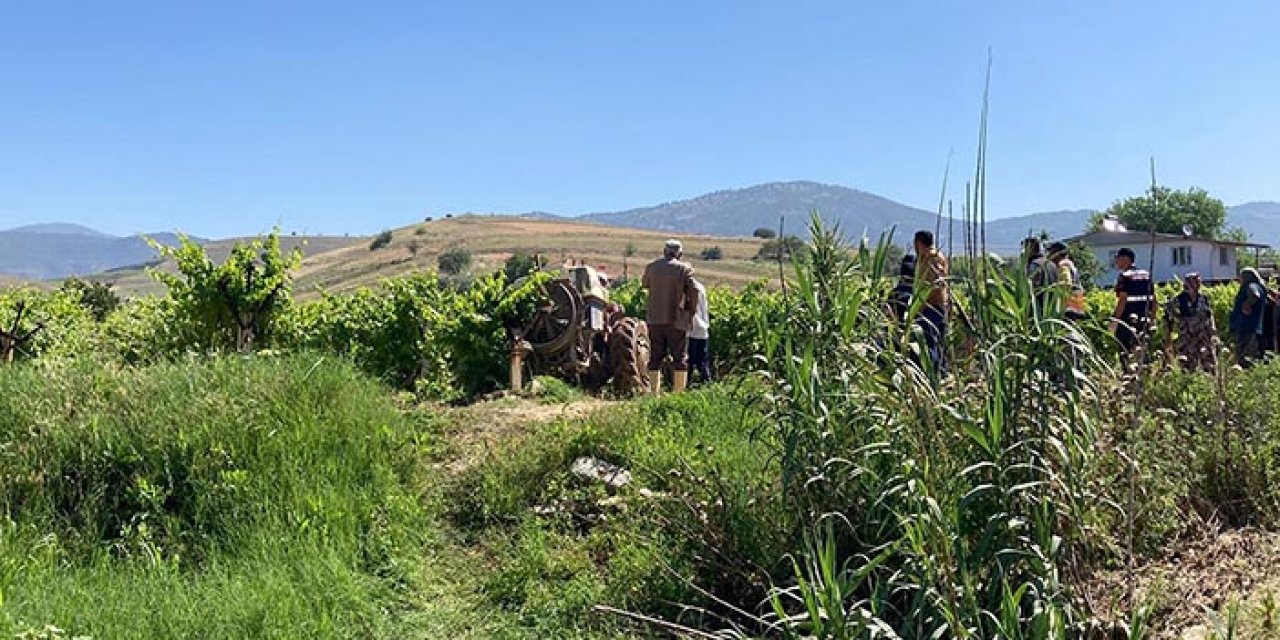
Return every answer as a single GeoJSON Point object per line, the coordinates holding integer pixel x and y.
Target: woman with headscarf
{"type": "Point", "coordinates": [1246, 316]}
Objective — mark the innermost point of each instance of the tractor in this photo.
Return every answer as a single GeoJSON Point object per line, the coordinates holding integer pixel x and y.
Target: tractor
{"type": "Point", "coordinates": [578, 335]}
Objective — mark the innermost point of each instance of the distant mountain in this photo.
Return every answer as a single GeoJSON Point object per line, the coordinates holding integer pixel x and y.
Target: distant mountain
{"type": "Point", "coordinates": [738, 212]}
{"type": "Point", "coordinates": [1260, 219]}
{"type": "Point", "coordinates": [741, 211]}
{"type": "Point", "coordinates": [50, 251]}
{"type": "Point", "coordinates": [60, 228]}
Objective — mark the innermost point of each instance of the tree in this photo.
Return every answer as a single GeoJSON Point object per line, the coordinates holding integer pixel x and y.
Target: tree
{"type": "Point", "coordinates": [454, 261]}
{"type": "Point", "coordinates": [765, 233]}
{"type": "Point", "coordinates": [629, 250]}
{"type": "Point", "coordinates": [95, 296]}
{"type": "Point", "coordinates": [521, 264]}
{"type": "Point", "coordinates": [381, 240]}
{"type": "Point", "coordinates": [781, 248]}
{"type": "Point", "coordinates": [1165, 210]}
{"type": "Point", "coordinates": [712, 253]}
{"type": "Point", "coordinates": [1087, 264]}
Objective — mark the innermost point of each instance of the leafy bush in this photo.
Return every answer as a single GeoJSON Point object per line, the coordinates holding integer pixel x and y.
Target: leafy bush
{"type": "Point", "coordinates": [712, 253]}
{"type": "Point", "coordinates": [381, 240]}
{"type": "Point", "coordinates": [454, 261]}
{"type": "Point", "coordinates": [95, 296]}
{"type": "Point", "coordinates": [783, 248]}
{"type": "Point", "coordinates": [521, 264]}
{"type": "Point", "coordinates": [233, 305]}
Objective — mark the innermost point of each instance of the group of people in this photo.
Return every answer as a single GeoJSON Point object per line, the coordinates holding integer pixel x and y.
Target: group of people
{"type": "Point", "coordinates": [1189, 315]}
{"type": "Point", "coordinates": [679, 322]}
{"type": "Point", "coordinates": [678, 318]}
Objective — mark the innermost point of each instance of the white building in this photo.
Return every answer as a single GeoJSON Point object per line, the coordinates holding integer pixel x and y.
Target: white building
{"type": "Point", "coordinates": [1175, 255]}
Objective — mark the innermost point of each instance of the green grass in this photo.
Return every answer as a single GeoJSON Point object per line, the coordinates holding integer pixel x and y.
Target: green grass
{"type": "Point", "coordinates": [227, 498]}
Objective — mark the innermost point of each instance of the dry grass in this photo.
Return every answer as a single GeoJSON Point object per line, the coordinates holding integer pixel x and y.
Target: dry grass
{"type": "Point", "coordinates": [491, 239]}
{"type": "Point", "coordinates": [335, 263]}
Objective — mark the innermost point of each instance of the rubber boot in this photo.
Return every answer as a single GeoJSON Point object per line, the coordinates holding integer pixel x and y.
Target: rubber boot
{"type": "Point", "coordinates": [680, 380]}
{"type": "Point", "coordinates": [655, 382]}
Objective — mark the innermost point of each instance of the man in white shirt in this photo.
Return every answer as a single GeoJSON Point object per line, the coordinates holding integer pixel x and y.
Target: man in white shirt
{"type": "Point", "coordinates": [699, 336]}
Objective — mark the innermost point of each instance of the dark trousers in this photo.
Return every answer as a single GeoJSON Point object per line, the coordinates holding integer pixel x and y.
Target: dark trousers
{"type": "Point", "coordinates": [1247, 348]}
{"type": "Point", "coordinates": [666, 340]}
{"type": "Point", "coordinates": [1130, 334]}
{"type": "Point", "coordinates": [933, 322]}
{"type": "Point", "coordinates": [700, 358]}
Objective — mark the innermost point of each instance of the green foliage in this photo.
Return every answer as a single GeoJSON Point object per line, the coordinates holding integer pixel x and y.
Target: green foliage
{"type": "Point", "coordinates": [66, 326]}
{"type": "Point", "coordinates": [1090, 268]}
{"type": "Point", "coordinates": [233, 305]}
{"type": "Point", "coordinates": [521, 264]}
{"type": "Point", "coordinates": [205, 500]}
{"type": "Point", "coordinates": [712, 253]}
{"type": "Point", "coordinates": [95, 296]}
{"type": "Point", "coordinates": [454, 261]}
{"type": "Point", "coordinates": [1166, 210]}
{"type": "Point", "coordinates": [783, 248]}
{"type": "Point", "coordinates": [383, 239]}
{"type": "Point", "coordinates": [764, 233]}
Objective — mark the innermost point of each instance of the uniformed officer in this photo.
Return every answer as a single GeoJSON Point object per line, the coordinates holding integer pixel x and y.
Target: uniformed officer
{"type": "Point", "coordinates": [1135, 301]}
{"type": "Point", "coordinates": [1191, 314]}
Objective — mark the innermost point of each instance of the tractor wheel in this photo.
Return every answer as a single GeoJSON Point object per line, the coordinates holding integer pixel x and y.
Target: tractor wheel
{"type": "Point", "coordinates": [629, 356]}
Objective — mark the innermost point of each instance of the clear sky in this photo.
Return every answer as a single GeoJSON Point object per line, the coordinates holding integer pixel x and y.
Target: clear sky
{"type": "Point", "coordinates": [223, 118]}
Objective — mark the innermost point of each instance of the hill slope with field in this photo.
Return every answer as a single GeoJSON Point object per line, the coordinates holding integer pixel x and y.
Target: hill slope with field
{"type": "Point", "coordinates": [492, 239]}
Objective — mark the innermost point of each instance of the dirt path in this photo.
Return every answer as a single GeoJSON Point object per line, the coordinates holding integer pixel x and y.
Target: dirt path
{"type": "Point", "coordinates": [477, 429]}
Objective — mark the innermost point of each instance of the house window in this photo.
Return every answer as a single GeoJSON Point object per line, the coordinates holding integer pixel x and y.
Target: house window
{"type": "Point", "coordinates": [1181, 256]}
{"type": "Point", "coordinates": [1224, 256]}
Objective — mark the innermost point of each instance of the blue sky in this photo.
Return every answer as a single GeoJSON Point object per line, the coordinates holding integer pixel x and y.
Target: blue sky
{"type": "Point", "coordinates": [229, 117]}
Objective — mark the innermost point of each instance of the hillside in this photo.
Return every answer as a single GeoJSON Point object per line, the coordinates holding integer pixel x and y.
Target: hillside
{"type": "Point", "coordinates": [50, 251]}
{"type": "Point", "coordinates": [491, 239]}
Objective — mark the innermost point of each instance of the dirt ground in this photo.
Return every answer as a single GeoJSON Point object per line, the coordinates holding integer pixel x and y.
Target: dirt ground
{"type": "Point", "coordinates": [1191, 591]}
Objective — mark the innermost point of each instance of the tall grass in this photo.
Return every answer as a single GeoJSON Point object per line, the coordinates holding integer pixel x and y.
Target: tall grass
{"type": "Point", "coordinates": [222, 498]}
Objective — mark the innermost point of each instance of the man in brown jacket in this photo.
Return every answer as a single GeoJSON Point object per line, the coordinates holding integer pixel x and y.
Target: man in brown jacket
{"type": "Point", "coordinates": [673, 299]}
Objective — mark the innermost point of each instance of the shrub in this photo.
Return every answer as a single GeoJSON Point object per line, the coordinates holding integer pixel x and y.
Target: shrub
{"type": "Point", "coordinates": [381, 240]}
{"type": "Point", "coordinates": [454, 261]}
{"type": "Point", "coordinates": [95, 296]}
{"type": "Point", "coordinates": [783, 248]}
{"type": "Point", "coordinates": [712, 253]}
{"type": "Point", "coordinates": [521, 264]}
{"type": "Point", "coordinates": [233, 305]}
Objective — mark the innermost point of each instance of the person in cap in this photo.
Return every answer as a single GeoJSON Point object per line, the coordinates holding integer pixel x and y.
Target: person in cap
{"type": "Point", "coordinates": [700, 336]}
{"type": "Point", "coordinates": [1191, 315]}
{"type": "Point", "coordinates": [1068, 278]}
{"type": "Point", "coordinates": [931, 281]}
{"type": "Point", "coordinates": [1246, 316]}
{"type": "Point", "coordinates": [1135, 302]}
{"type": "Point", "coordinates": [1040, 272]}
{"type": "Point", "coordinates": [673, 300]}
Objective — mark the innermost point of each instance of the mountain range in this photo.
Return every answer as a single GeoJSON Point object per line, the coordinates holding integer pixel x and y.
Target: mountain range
{"type": "Point", "coordinates": [741, 211]}
{"type": "Point", "coordinates": [59, 250]}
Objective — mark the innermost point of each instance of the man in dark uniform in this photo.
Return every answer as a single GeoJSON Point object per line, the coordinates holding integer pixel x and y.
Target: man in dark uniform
{"type": "Point", "coordinates": [673, 300]}
{"type": "Point", "coordinates": [1135, 300]}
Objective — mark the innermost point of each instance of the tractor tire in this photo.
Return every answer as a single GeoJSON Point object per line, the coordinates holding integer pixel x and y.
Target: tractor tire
{"type": "Point", "coordinates": [629, 356]}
